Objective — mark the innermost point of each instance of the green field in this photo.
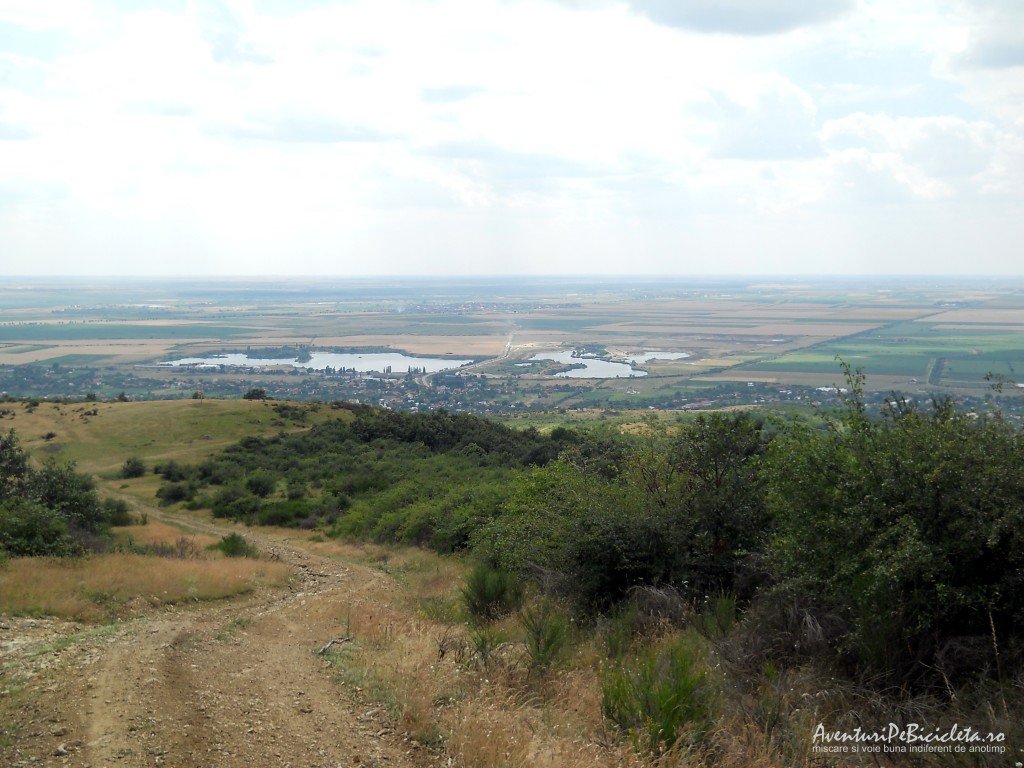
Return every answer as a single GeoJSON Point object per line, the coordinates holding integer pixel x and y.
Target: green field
{"type": "Point", "coordinates": [916, 350]}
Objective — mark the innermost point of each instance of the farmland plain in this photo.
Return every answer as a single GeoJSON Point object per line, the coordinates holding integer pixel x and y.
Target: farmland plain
{"type": "Point", "coordinates": [922, 338]}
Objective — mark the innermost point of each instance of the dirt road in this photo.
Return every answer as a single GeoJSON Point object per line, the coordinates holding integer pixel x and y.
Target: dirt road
{"type": "Point", "coordinates": [230, 683]}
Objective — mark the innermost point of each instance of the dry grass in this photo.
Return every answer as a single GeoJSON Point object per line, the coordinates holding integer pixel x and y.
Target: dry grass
{"type": "Point", "coordinates": [103, 587]}
{"type": "Point", "coordinates": [156, 533]}
{"type": "Point", "coordinates": [422, 666]}
{"type": "Point", "coordinates": [185, 430]}
{"type": "Point", "coordinates": [481, 715]}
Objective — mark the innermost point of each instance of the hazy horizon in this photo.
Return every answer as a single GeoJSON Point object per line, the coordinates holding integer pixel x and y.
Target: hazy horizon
{"type": "Point", "coordinates": [673, 280]}
{"type": "Point", "coordinates": [240, 138]}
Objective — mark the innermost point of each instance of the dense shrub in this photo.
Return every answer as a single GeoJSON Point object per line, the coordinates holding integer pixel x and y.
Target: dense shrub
{"type": "Point", "coordinates": [235, 545]}
{"type": "Point", "coordinates": [172, 493]}
{"type": "Point", "coordinates": [53, 510]}
{"type": "Point", "coordinates": [685, 511]}
{"type": "Point", "coordinates": [28, 528]}
{"type": "Point", "coordinates": [617, 545]}
{"type": "Point", "coordinates": [117, 512]}
{"type": "Point", "coordinates": [70, 494]}
{"type": "Point", "coordinates": [284, 513]}
{"type": "Point", "coordinates": [133, 467]}
{"type": "Point", "coordinates": [490, 594]}
{"type": "Point", "coordinates": [661, 695]}
{"type": "Point", "coordinates": [910, 530]}
{"type": "Point", "coordinates": [296, 489]}
{"type": "Point", "coordinates": [13, 466]}
{"type": "Point", "coordinates": [218, 472]}
{"type": "Point", "coordinates": [429, 479]}
{"type": "Point", "coordinates": [441, 431]}
{"type": "Point", "coordinates": [234, 501]}
{"type": "Point", "coordinates": [717, 460]}
{"type": "Point", "coordinates": [172, 471]}
{"type": "Point", "coordinates": [261, 483]}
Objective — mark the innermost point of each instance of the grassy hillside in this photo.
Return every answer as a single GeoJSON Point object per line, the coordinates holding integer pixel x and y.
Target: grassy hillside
{"type": "Point", "coordinates": [100, 436]}
{"type": "Point", "coordinates": [126, 565]}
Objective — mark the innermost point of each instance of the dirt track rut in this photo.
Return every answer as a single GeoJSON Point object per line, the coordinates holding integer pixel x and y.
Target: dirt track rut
{"type": "Point", "coordinates": [231, 683]}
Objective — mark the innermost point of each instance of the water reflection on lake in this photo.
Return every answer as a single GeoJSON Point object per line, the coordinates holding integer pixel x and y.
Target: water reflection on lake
{"type": "Point", "coordinates": [365, 362]}
{"type": "Point", "coordinates": [649, 355]}
{"type": "Point", "coordinates": [593, 368]}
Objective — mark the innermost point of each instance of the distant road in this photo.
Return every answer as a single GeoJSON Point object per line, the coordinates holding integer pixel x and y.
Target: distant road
{"type": "Point", "coordinates": [425, 379]}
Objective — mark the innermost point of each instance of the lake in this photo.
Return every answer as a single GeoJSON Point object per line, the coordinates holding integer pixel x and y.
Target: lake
{"type": "Point", "coordinates": [594, 368]}
{"type": "Point", "coordinates": [363, 362]}
{"type": "Point", "coordinates": [649, 355]}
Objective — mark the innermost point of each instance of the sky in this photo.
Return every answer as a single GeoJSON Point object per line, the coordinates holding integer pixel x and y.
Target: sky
{"type": "Point", "coordinates": [474, 137]}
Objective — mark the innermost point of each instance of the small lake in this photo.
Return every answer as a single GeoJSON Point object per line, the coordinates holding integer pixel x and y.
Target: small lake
{"type": "Point", "coordinates": [594, 368]}
{"type": "Point", "coordinates": [367, 362]}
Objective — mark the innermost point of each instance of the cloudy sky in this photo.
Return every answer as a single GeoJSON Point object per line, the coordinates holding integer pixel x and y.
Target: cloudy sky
{"type": "Point", "coordinates": [511, 136]}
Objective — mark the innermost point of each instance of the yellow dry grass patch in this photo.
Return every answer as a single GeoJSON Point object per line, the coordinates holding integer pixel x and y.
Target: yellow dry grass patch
{"type": "Point", "coordinates": [160, 533]}
{"type": "Point", "coordinates": [103, 587]}
{"type": "Point", "coordinates": [487, 716]}
{"type": "Point", "coordinates": [491, 717]}
{"type": "Point", "coordinates": [185, 430]}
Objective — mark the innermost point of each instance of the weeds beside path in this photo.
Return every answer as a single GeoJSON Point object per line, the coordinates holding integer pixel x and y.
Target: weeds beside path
{"type": "Point", "coordinates": [231, 683]}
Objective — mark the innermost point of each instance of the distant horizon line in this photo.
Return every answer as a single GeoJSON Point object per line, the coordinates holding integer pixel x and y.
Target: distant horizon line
{"type": "Point", "coordinates": [788, 276]}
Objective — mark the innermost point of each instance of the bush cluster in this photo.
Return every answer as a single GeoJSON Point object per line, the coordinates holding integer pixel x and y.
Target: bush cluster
{"type": "Point", "coordinates": [133, 467]}
{"type": "Point", "coordinates": [685, 510]}
{"type": "Point", "coordinates": [910, 531]}
{"type": "Point", "coordinates": [235, 545]}
{"type": "Point", "coordinates": [903, 534]}
{"type": "Point", "coordinates": [416, 478]}
{"type": "Point", "coordinates": [52, 510]}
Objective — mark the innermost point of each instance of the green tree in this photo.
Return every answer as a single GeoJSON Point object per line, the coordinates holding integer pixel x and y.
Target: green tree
{"type": "Point", "coordinates": [13, 466]}
{"type": "Point", "coordinates": [68, 493]}
{"type": "Point", "coordinates": [717, 459]}
{"type": "Point", "coordinates": [909, 528]}
{"type": "Point", "coordinates": [681, 510]}
{"type": "Point", "coordinates": [28, 528]}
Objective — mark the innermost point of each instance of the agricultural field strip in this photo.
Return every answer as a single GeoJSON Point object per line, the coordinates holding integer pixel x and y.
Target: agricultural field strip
{"type": "Point", "coordinates": [668, 322]}
{"type": "Point", "coordinates": [915, 349]}
{"type": "Point", "coordinates": [738, 367]}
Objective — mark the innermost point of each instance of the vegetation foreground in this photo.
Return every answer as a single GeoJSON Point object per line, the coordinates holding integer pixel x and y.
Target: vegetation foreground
{"type": "Point", "coordinates": [707, 593]}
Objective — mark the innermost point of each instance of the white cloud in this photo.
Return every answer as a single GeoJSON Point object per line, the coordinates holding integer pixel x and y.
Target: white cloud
{"type": "Point", "coordinates": [778, 123]}
{"type": "Point", "coordinates": [226, 32]}
{"type": "Point", "coordinates": [996, 34]}
{"type": "Point", "coordinates": [939, 146]}
{"type": "Point", "coordinates": [496, 134]}
{"type": "Point", "coordinates": [744, 17]}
